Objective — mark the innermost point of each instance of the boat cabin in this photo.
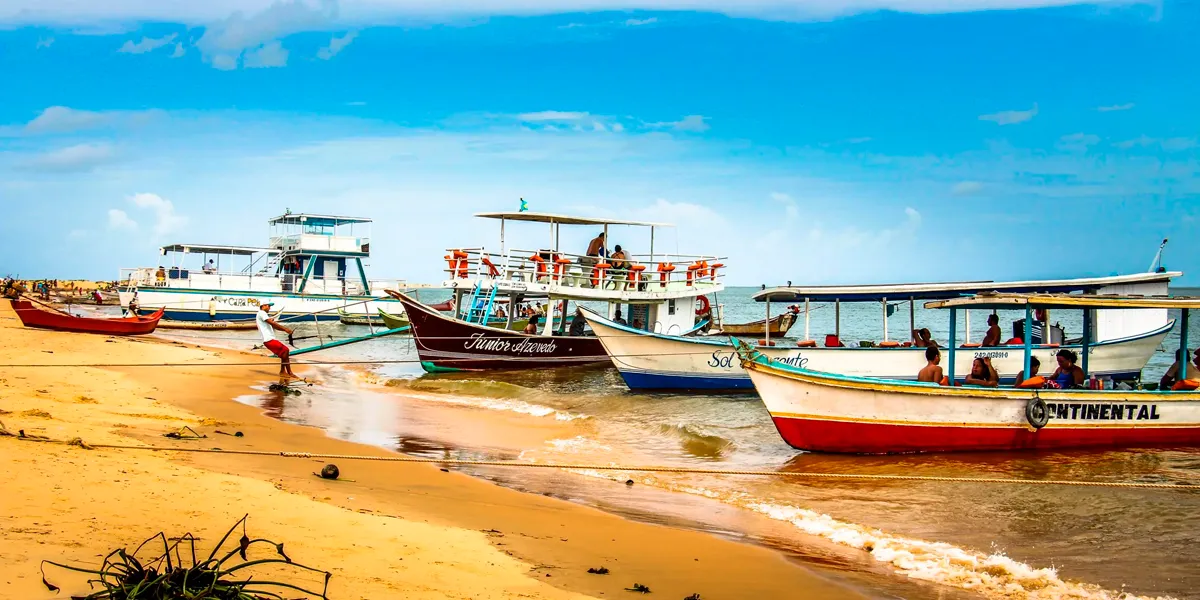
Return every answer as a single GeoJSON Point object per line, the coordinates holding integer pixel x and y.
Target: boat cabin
{"type": "Point", "coordinates": [307, 254]}
{"type": "Point", "coordinates": [1102, 325]}
{"type": "Point", "coordinates": [654, 290]}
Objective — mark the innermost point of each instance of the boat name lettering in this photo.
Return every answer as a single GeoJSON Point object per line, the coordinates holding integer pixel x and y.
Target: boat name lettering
{"type": "Point", "coordinates": [1102, 412]}
{"type": "Point", "coordinates": [800, 362]}
{"type": "Point", "coordinates": [992, 354]}
{"type": "Point", "coordinates": [477, 341]}
{"type": "Point", "coordinates": [723, 360]}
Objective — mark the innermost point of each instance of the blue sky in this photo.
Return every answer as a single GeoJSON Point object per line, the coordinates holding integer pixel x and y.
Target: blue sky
{"type": "Point", "coordinates": [812, 141]}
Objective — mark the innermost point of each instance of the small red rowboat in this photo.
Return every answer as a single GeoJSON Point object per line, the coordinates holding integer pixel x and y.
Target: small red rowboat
{"type": "Point", "coordinates": [32, 316]}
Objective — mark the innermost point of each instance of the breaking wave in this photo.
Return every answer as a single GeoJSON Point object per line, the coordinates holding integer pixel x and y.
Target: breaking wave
{"type": "Point", "coordinates": [992, 575]}
{"type": "Point", "coordinates": [696, 441]}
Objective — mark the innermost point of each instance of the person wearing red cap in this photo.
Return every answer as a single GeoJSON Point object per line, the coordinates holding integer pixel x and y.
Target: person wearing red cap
{"type": "Point", "coordinates": [267, 327]}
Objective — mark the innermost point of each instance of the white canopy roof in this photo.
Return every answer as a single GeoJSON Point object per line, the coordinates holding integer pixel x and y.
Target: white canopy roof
{"type": "Point", "coordinates": [934, 291]}
{"type": "Point", "coordinates": [539, 217]}
{"type": "Point", "coordinates": [211, 249]}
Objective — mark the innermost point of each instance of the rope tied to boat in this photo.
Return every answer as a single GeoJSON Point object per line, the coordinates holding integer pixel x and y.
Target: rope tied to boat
{"type": "Point", "coordinates": [631, 468]}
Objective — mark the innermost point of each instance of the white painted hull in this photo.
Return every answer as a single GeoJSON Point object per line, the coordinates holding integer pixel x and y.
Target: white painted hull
{"type": "Point", "coordinates": [225, 305]}
{"type": "Point", "coordinates": [831, 413]}
{"type": "Point", "coordinates": [653, 361]}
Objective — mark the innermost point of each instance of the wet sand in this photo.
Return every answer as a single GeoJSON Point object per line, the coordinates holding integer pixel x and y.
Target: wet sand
{"type": "Point", "coordinates": [385, 530]}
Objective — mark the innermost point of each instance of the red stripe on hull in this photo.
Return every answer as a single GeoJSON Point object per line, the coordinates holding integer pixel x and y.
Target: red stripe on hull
{"type": "Point", "coordinates": [881, 438]}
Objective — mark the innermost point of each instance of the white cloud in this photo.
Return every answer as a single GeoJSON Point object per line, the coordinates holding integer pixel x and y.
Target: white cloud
{"type": "Point", "coordinates": [1175, 144]}
{"type": "Point", "coordinates": [165, 219]}
{"type": "Point", "coordinates": [336, 44]}
{"type": "Point", "coordinates": [271, 54]}
{"type": "Point", "coordinates": [80, 157]}
{"type": "Point", "coordinates": [695, 123]}
{"type": "Point", "coordinates": [44, 43]}
{"type": "Point", "coordinates": [1077, 142]}
{"type": "Point", "coordinates": [1011, 117]}
{"type": "Point", "coordinates": [258, 34]}
{"type": "Point", "coordinates": [179, 51]}
{"type": "Point", "coordinates": [552, 115]}
{"type": "Point", "coordinates": [1115, 107]}
{"type": "Point", "coordinates": [119, 220]}
{"type": "Point", "coordinates": [62, 118]}
{"type": "Point", "coordinates": [146, 44]}
{"type": "Point", "coordinates": [790, 210]}
{"type": "Point", "coordinates": [637, 22]}
{"type": "Point", "coordinates": [32, 12]}
{"type": "Point", "coordinates": [966, 188]}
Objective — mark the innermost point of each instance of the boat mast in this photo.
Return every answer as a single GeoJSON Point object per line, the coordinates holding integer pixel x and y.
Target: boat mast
{"type": "Point", "coordinates": [954, 345]}
{"type": "Point", "coordinates": [885, 323]}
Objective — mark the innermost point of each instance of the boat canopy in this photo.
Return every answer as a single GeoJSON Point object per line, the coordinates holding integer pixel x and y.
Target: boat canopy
{"type": "Point", "coordinates": [315, 220]}
{"type": "Point", "coordinates": [947, 290]}
{"type": "Point", "coordinates": [539, 217]}
{"type": "Point", "coordinates": [1074, 301]}
{"type": "Point", "coordinates": [211, 249]}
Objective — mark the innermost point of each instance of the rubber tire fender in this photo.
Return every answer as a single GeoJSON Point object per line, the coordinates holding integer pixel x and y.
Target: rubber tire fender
{"type": "Point", "coordinates": [1037, 413]}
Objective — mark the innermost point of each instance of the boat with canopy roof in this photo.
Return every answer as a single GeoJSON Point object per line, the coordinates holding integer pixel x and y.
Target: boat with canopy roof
{"type": "Point", "coordinates": [828, 412]}
{"type": "Point", "coordinates": [313, 268]}
{"type": "Point", "coordinates": [1123, 341]}
{"type": "Point", "coordinates": [656, 292]}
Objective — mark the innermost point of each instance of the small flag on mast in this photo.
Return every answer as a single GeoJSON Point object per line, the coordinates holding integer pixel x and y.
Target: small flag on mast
{"type": "Point", "coordinates": [524, 206]}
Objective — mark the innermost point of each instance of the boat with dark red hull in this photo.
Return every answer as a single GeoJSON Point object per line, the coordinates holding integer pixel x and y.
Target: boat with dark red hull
{"type": "Point", "coordinates": [446, 344]}
{"type": "Point", "coordinates": [492, 292]}
{"type": "Point", "coordinates": [32, 316]}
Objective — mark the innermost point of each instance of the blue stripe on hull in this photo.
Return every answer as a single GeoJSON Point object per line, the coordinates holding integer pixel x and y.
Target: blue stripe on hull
{"type": "Point", "coordinates": [202, 316]}
{"type": "Point", "coordinates": [641, 380]}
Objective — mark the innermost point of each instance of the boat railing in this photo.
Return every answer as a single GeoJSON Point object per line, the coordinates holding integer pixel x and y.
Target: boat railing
{"type": "Point", "coordinates": [664, 272]}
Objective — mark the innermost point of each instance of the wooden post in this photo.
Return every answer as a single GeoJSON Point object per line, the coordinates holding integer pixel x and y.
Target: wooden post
{"type": "Point", "coordinates": [912, 314]}
{"type": "Point", "coordinates": [1085, 342]}
{"type": "Point", "coordinates": [806, 336]}
{"type": "Point", "coordinates": [885, 324]}
{"type": "Point", "coordinates": [837, 319]}
{"type": "Point", "coordinates": [952, 342]}
{"type": "Point", "coordinates": [767, 324]}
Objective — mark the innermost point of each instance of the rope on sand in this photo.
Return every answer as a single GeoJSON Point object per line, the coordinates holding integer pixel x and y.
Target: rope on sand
{"type": "Point", "coordinates": [634, 468]}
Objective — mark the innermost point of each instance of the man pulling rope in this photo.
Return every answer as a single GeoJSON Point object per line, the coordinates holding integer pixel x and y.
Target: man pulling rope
{"type": "Point", "coordinates": [267, 325]}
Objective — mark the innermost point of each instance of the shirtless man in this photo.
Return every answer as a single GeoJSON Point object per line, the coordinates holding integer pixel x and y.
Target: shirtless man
{"type": "Point", "coordinates": [993, 333]}
{"type": "Point", "coordinates": [932, 372]}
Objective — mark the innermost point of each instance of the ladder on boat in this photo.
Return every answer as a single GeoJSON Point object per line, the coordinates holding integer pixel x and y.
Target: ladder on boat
{"type": "Point", "coordinates": [482, 303]}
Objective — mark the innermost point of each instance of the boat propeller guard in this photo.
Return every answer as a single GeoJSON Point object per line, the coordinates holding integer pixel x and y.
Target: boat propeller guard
{"type": "Point", "coordinates": [1036, 412]}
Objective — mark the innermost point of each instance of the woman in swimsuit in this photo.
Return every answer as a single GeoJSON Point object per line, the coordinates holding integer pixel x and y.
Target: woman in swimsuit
{"type": "Point", "coordinates": [1067, 375]}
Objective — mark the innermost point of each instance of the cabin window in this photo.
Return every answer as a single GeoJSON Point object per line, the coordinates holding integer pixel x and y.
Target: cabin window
{"type": "Point", "coordinates": [670, 307]}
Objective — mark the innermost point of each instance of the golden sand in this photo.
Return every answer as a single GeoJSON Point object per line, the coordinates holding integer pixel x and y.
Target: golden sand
{"type": "Point", "coordinates": [386, 530]}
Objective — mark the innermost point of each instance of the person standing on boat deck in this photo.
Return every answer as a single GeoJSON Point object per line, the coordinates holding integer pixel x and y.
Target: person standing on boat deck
{"type": "Point", "coordinates": [267, 326]}
{"type": "Point", "coordinates": [1034, 365]}
{"type": "Point", "coordinates": [1172, 375]}
{"type": "Point", "coordinates": [532, 327]}
{"type": "Point", "coordinates": [993, 333]}
{"type": "Point", "coordinates": [577, 323]}
{"type": "Point", "coordinates": [983, 374]}
{"type": "Point", "coordinates": [595, 251]}
{"type": "Point", "coordinates": [1067, 375]}
{"type": "Point", "coordinates": [932, 372]}
{"type": "Point", "coordinates": [160, 277]}
{"type": "Point", "coordinates": [618, 319]}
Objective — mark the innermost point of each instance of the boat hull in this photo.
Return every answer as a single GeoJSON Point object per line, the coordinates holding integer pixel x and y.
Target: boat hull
{"type": "Point", "coordinates": [445, 344]}
{"type": "Point", "coordinates": [225, 305]}
{"type": "Point", "coordinates": [31, 316]}
{"type": "Point", "coordinates": [829, 413]}
{"type": "Point", "coordinates": [243, 325]}
{"type": "Point", "coordinates": [780, 325]}
{"type": "Point", "coordinates": [651, 361]}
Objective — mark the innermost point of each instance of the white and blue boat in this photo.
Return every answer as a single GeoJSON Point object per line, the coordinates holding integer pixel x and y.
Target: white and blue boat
{"type": "Point", "coordinates": [312, 267]}
{"type": "Point", "coordinates": [1121, 341]}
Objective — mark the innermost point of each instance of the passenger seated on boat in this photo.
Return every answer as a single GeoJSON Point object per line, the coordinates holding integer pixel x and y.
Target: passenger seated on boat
{"type": "Point", "coordinates": [992, 338]}
{"type": "Point", "coordinates": [1172, 375]}
{"type": "Point", "coordinates": [1067, 375]}
{"type": "Point", "coordinates": [620, 267]}
{"type": "Point", "coordinates": [982, 374]}
{"type": "Point", "coordinates": [617, 317]}
{"type": "Point", "coordinates": [932, 372]}
{"type": "Point", "coordinates": [160, 277]}
{"type": "Point", "coordinates": [921, 339]}
{"type": "Point", "coordinates": [1034, 365]}
{"type": "Point", "coordinates": [210, 267]}
{"type": "Point", "coordinates": [637, 324]}
{"type": "Point", "coordinates": [532, 327]}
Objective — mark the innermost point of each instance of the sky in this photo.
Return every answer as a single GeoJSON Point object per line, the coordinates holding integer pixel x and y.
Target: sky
{"type": "Point", "coordinates": [810, 141]}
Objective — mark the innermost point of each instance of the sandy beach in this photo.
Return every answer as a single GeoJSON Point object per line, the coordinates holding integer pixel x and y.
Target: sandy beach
{"type": "Point", "coordinates": [386, 530]}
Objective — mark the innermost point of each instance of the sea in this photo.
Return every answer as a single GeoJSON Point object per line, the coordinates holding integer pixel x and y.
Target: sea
{"type": "Point", "coordinates": [886, 539]}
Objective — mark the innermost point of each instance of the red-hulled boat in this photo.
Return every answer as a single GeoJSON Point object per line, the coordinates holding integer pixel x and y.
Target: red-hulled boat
{"type": "Point", "coordinates": [32, 316]}
{"type": "Point", "coordinates": [447, 344]}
